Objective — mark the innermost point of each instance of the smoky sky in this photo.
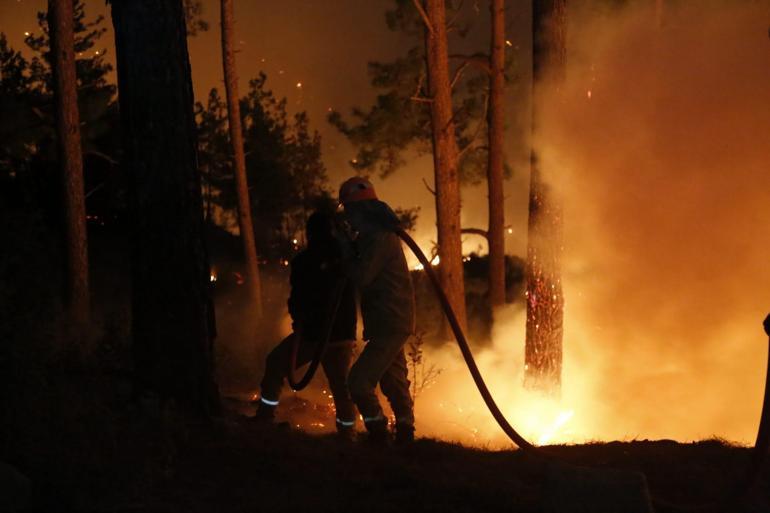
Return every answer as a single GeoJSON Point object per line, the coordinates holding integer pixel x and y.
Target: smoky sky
{"type": "Point", "coordinates": [325, 46]}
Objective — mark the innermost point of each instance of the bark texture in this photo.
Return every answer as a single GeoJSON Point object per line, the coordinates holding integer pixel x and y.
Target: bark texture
{"type": "Point", "coordinates": [172, 312]}
{"type": "Point", "coordinates": [61, 23]}
{"type": "Point", "coordinates": [496, 231]}
{"type": "Point", "coordinates": [445, 159]}
{"type": "Point", "coordinates": [239, 159]}
{"type": "Point", "coordinates": [545, 302]}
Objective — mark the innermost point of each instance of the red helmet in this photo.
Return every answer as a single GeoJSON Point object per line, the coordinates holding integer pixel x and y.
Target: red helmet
{"type": "Point", "coordinates": [356, 189]}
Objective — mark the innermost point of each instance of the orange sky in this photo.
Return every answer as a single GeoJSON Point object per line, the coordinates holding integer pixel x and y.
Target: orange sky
{"type": "Point", "coordinates": [325, 46]}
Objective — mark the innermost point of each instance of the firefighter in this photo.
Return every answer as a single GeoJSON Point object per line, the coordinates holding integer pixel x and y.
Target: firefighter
{"type": "Point", "coordinates": [375, 263]}
{"type": "Point", "coordinates": [313, 285]}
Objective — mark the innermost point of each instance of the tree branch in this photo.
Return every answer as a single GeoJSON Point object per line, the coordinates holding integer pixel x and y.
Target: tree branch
{"type": "Point", "coordinates": [417, 97]}
{"type": "Point", "coordinates": [424, 15]}
{"type": "Point", "coordinates": [479, 60]}
{"type": "Point", "coordinates": [456, 15]}
{"type": "Point", "coordinates": [458, 74]}
{"type": "Point", "coordinates": [475, 231]}
{"type": "Point", "coordinates": [481, 123]}
{"type": "Point", "coordinates": [428, 187]}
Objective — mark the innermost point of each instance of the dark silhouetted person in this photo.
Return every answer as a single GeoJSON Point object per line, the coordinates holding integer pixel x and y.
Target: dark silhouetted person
{"type": "Point", "coordinates": [375, 262]}
{"type": "Point", "coordinates": [313, 286]}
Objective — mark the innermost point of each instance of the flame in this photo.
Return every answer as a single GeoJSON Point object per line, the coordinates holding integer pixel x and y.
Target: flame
{"type": "Point", "coordinates": [552, 430]}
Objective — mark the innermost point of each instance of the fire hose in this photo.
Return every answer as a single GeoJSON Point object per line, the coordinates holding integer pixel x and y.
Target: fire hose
{"type": "Point", "coordinates": [320, 346]}
{"type": "Point", "coordinates": [759, 451]}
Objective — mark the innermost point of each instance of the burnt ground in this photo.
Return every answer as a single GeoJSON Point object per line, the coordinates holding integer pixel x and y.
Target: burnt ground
{"type": "Point", "coordinates": [159, 463]}
{"type": "Point", "coordinates": [255, 470]}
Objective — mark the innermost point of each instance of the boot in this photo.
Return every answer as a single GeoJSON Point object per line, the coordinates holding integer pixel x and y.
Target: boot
{"type": "Point", "coordinates": [378, 432]}
{"type": "Point", "coordinates": [346, 433]}
{"type": "Point", "coordinates": [265, 414]}
{"type": "Point", "coordinates": [404, 434]}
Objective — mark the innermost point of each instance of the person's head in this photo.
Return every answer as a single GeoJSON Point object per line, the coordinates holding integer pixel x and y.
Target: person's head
{"type": "Point", "coordinates": [319, 228]}
{"type": "Point", "coordinates": [356, 189]}
{"type": "Point", "coordinates": [363, 210]}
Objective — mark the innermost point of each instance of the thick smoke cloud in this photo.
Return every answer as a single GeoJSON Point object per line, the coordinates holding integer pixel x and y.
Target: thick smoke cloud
{"type": "Point", "coordinates": [659, 143]}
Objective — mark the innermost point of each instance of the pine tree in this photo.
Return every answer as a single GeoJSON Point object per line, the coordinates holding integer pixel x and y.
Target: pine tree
{"type": "Point", "coordinates": [95, 94]}
{"type": "Point", "coordinates": [496, 201]}
{"type": "Point", "coordinates": [545, 302]}
{"type": "Point", "coordinates": [445, 157]}
{"type": "Point", "coordinates": [239, 159]}
{"type": "Point", "coordinates": [172, 314]}
{"type": "Point", "coordinates": [283, 165]}
{"type": "Point", "coordinates": [61, 18]}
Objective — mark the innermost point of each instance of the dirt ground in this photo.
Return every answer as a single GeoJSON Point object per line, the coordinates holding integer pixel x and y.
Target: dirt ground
{"type": "Point", "coordinates": [236, 466]}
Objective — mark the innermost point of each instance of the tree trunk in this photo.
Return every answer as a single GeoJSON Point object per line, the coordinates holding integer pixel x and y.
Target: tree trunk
{"type": "Point", "coordinates": [61, 24]}
{"type": "Point", "coordinates": [239, 160]}
{"type": "Point", "coordinates": [445, 159]}
{"type": "Point", "coordinates": [545, 303]}
{"type": "Point", "coordinates": [496, 232]}
{"type": "Point", "coordinates": [172, 313]}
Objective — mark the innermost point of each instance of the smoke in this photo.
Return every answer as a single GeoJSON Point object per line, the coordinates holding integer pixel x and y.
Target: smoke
{"type": "Point", "coordinates": [658, 143]}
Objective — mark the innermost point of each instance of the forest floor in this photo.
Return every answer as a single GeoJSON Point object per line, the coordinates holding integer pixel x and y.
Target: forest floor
{"type": "Point", "coordinates": [232, 465]}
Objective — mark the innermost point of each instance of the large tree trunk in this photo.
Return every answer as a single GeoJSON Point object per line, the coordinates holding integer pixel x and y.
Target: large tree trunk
{"type": "Point", "coordinates": [61, 24]}
{"type": "Point", "coordinates": [445, 159]}
{"type": "Point", "coordinates": [545, 303]}
{"type": "Point", "coordinates": [496, 232]}
{"type": "Point", "coordinates": [173, 318]}
{"type": "Point", "coordinates": [239, 160]}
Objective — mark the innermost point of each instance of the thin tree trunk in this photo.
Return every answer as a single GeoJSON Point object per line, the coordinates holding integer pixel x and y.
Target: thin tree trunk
{"type": "Point", "coordinates": [496, 232]}
{"type": "Point", "coordinates": [545, 302]}
{"type": "Point", "coordinates": [61, 23]}
{"type": "Point", "coordinates": [172, 311]}
{"type": "Point", "coordinates": [239, 160]}
{"type": "Point", "coordinates": [445, 159]}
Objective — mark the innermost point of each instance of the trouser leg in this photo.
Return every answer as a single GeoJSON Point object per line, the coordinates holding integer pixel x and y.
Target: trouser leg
{"type": "Point", "coordinates": [395, 385]}
{"type": "Point", "coordinates": [336, 363]}
{"type": "Point", "coordinates": [375, 360]}
{"type": "Point", "coordinates": [276, 368]}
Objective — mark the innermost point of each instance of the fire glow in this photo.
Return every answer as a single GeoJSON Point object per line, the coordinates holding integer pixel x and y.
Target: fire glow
{"type": "Point", "coordinates": [667, 211]}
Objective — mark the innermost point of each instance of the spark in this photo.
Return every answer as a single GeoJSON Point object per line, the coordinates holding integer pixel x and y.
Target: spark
{"type": "Point", "coordinates": [510, 231]}
{"type": "Point", "coordinates": [299, 85]}
{"type": "Point", "coordinates": [508, 42]}
{"type": "Point", "coordinates": [589, 93]}
{"type": "Point", "coordinates": [27, 33]}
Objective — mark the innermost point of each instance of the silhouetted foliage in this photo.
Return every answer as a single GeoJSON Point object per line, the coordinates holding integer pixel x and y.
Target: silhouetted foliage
{"type": "Point", "coordinates": [399, 120]}
{"type": "Point", "coordinates": [193, 17]}
{"type": "Point", "coordinates": [285, 172]}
